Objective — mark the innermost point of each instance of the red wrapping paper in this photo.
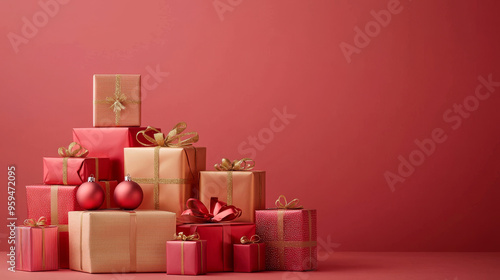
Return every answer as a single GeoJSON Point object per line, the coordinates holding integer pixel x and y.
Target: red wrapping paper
{"type": "Point", "coordinates": [290, 238]}
{"type": "Point", "coordinates": [187, 257]}
{"type": "Point", "coordinates": [108, 142]}
{"type": "Point", "coordinates": [54, 202]}
{"type": "Point", "coordinates": [249, 257]}
{"type": "Point", "coordinates": [78, 170]}
{"type": "Point", "coordinates": [109, 189]}
{"type": "Point", "coordinates": [220, 238]}
{"type": "Point", "coordinates": [36, 248]}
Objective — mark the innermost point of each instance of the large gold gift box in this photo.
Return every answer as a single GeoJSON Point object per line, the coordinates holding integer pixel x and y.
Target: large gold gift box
{"type": "Point", "coordinates": [243, 189]}
{"type": "Point", "coordinates": [113, 241]}
{"type": "Point", "coordinates": [168, 176]}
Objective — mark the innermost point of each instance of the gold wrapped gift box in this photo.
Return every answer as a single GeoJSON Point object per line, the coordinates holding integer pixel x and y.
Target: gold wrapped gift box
{"type": "Point", "coordinates": [168, 176]}
{"type": "Point", "coordinates": [113, 241]}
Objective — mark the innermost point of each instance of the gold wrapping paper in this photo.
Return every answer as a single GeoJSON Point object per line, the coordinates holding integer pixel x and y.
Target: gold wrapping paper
{"type": "Point", "coordinates": [110, 241]}
{"type": "Point", "coordinates": [117, 100]}
{"type": "Point", "coordinates": [243, 189]}
{"type": "Point", "coordinates": [167, 176]}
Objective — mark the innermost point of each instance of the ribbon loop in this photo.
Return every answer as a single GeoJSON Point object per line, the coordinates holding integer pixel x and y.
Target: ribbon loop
{"type": "Point", "coordinates": [243, 164]}
{"type": "Point", "coordinates": [181, 236]}
{"type": "Point", "coordinates": [32, 223]}
{"type": "Point", "coordinates": [253, 239]}
{"type": "Point", "coordinates": [175, 138]}
{"type": "Point", "coordinates": [74, 150]}
{"type": "Point", "coordinates": [197, 212]}
{"type": "Point", "coordinates": [293, 204]}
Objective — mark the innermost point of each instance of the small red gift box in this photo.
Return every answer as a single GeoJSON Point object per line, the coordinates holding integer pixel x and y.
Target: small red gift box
{"type": "Point", "coordinates": [73, 170]}
{"type": "Point", "coordinates": [109, 189]}
{"type": "Point", "coordinates": [187, 255]}
{"type": "Point", "coordinates": [289, 233]}
{"type": "Point", "coordinates": [36, 246]}
{"type": "Point", "coordinates": [54, 202]}
{"type": "Point", "coordinates": [109, 142]}
{"type": "Point", "coordinates": [249, 256]}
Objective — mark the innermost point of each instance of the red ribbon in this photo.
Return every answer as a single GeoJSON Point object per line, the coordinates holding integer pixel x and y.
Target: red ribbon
{"type": "Point", "coordinates": [198, 213]}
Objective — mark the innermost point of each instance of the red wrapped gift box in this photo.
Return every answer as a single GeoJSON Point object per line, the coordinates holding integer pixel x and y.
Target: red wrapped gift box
{"type": "Point", "coordinates": [187, 257]}
{"type": "Point", "coordinates": [36, 248]}
{"type": "Point", "coordinates": [249, 257]}
{"type": "Point", "coordinates": [109, 190]}
{"type": "Point", "coordinates": [220, 238]}
{"type": "Point", "coordinates": [54, 202]}
{"type": "Point", "coordinates": [108, 142]}
{"type": "Point", "coordinates": [290, 238]}
{"type": "Point", "coordinates": [74, 170]}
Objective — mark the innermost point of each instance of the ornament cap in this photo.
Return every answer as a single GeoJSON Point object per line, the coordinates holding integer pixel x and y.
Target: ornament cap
{"type": "Point", "coordinates": [128, 178]}
{"type": "Point", "coordinates": [91, 178]}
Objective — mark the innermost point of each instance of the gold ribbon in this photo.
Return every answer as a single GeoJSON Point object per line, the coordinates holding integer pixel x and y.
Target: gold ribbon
{"type": "Point", "coordinates": [32, 223]}
{"type": "Point", "coordinates": [39, 224]}
{"type": "Point", "coordinates": [253, 239]}
{"type": "Point", "coordinates": [54, 218]}
{"type": "Point", "coordinates": [74, 150]}
{"type": "Point", "coordinates": [175, 139]}
{"type": "Point", "coordinates": [293, 204]}
{"type": "Point", "coordinates": [193, 237]}
{"type": "Point", "coordinates": [133, 241]}
{"type": "Point", "coordinates": [118, 100]}
{"type": "Point", "coordinates": [244, 164]}
{"type": "Point", "coordinates": [181, 236]}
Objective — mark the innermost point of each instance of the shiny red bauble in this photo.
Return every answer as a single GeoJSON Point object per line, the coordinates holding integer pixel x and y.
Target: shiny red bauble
{"type": "Point", "coordinates": [128, 194]}
{"type": "Point", "coordinates": [90, 195]}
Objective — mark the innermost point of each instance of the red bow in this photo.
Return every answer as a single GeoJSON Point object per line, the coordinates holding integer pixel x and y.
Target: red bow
{"type": "Point", "coordinates": [198, 213]}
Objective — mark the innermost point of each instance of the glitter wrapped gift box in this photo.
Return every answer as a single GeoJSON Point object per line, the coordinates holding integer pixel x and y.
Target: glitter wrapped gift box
{"type": "Point", "coordinates": [290, 237]}
{"type": "Point", "coordinates": [36, 248]}
{"type": "Point", "coordinates": [117, 100]}
{"type": "Point", "coordinates": [108, 143]}
{"type": "Point", "coordinates": [54, 202]}
{"type": "Point", "coordinates": [74, 170]}
{"type": "Point", "coordinates": [108, 241]}
{"type": "Point", "coordinates": [187, 257]}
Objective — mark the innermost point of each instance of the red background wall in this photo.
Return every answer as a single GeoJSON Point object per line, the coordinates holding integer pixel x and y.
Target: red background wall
{"type": "Point", "coordinates": [228, 72]}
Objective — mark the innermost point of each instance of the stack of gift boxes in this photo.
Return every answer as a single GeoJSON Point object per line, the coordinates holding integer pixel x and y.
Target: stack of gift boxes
{"type": "Point", "coordinates": [191, 221]}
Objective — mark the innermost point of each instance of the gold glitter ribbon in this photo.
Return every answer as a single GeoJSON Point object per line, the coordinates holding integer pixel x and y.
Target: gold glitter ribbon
{"type": "Point", "coordinates": [281, 244]}
{"type": "Point", "coordinates": [118, 100]}
{"type": "Point", "coordinates": [244, 164]}
{"type": "Point", "coordinates": [253, 239]}
{"type": "Point", "coordinates": [74, 150]}
{"type": "Point", "coordinates": [133, 241]}
{"type": "Point", "coordinates": [176, 139]}
{"type": "Point", "coordinates": [54, 218]}
{"type": "Point", "coordinates": [40, 223]}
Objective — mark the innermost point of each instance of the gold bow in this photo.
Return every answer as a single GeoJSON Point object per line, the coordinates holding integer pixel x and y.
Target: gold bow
{"type": "Point", "coordinates": [183, 237]}
{"type": "Point", "coordinates": [237, 165]}
{"type": "Point", "coordinates": [32, 223]}
{"type": "Point", "coordinates": [74, 150]}
{"type": "Point", "coordinates": [175, 138]}
{"type": "Point", "coordinates": [293, 204]}
{"type": "Point", "coordinates": [254, 239]}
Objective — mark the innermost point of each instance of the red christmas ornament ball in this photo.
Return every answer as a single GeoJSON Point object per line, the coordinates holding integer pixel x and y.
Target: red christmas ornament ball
{"type": "Point", "coordinates": [90, 195]}
{"type": "Point", "coordinates": [128, 194]}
